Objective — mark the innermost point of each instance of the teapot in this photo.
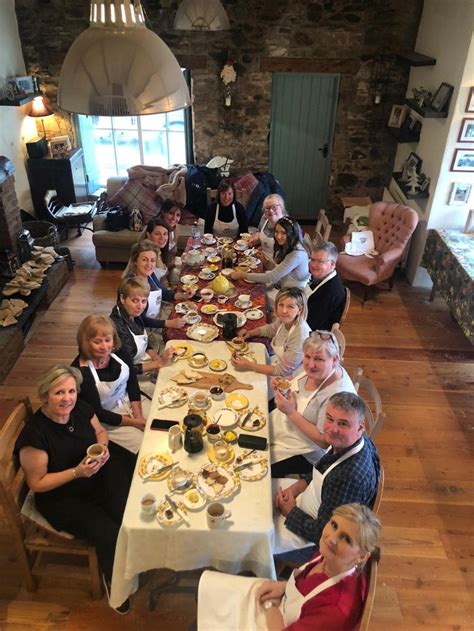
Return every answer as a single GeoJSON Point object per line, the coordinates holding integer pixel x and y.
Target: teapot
{"type": "Point", "coordinates": [220, 284]}
{"type": "Point", "coordinates": [193, 426]}
{"type": "Point", "coordinates": [194, 258]}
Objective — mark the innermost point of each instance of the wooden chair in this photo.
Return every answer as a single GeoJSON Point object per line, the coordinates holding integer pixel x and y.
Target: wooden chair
{"type": "Point", "coordinates": [211, 195]}
{"type": "Point", "coordinates": [31, 541]}
{"type": "Point", "coordinates": [375, 416]}
{"type": "Point", "coordinates": [323, 228]}
{"type": "Point", "coordinates": [371, 570]}
{"type": "Point", "coordinates": [341, 340]}
{"type": "Point", "coordinates": [379, 494]}
{"type": "Point", "coordinates": [346, 305]}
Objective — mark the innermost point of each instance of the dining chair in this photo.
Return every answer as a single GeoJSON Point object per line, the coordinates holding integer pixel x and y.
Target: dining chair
{"type": "Point", "coordinates": [323, 228]}
{"type": "Point", "coordinates": [375, 417]}
{"type": "Point", "coordinates": [341, 340]}
{"type": "Point", "coordinates": [379, 493]}
{"type": "Point", "coordinates": [371, 570]}
{"type": "Point", "coordinates": [33, 535]}
{"type": "Point", "coordinates": [347, 304]}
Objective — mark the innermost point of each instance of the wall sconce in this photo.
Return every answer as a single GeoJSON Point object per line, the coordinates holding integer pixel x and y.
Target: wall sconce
{"type": "Point", "coordinates": [229, 77]}
{"type": "Point", "coordinates": [40, 110]}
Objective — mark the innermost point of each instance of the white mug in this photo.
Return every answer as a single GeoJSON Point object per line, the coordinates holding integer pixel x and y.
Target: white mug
{"type": "Point", "coordinates": [149, 506]}
{"type": "Point", "coordinates": [94, 452]}
{"type": "Point", "coordinates": [216, 515]}
{"type": "Point", "coordinates": [175, 438]}
{"type": "Point", "coordinates": [244, 299]}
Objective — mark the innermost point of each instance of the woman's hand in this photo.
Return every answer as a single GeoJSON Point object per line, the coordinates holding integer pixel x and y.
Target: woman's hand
{"type": "Point", "coordinates": [134, 421]}
{"type": "Point", "coordinates": [270, 590]}
{"type": "Point", "coordinates": [241, 363]}
{"type": "Point", "coordinates": [87, 468]}
{"type": "Point", "coordinates": [245, 334]}
{"type": "Point", "coordinates": [166, 355]}
{"type": "Point", "coordinates": [254, 239]}
{"type": "Point", "coordinates": [286, 404]}
{"type": "Point", "coordinates": [237, 275]}
{"type": "Point", "coordinates": [175, 323]}
{"type": "Point", "coordinates": [187, 294]}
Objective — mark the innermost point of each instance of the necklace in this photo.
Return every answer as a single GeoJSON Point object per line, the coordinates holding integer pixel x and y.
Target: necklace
{"type": "Point", "coordinates": [70, 425]}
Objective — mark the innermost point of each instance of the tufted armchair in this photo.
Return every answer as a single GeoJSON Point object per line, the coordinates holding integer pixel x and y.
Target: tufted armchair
{"type": "Point", "coordinates": [392, 225]}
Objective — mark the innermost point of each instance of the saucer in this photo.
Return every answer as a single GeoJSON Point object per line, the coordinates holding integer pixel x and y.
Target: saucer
{"type": "Point", "coordinates": [194, 320]}
{"type": "Point", "coordinates": [241, 305]}
{"type": "Point", "coordinates": [193, 500]}
{"type": "Point", "coordinates": [212, 456]}
{"type": "Point", "coordinates": [197, 364]}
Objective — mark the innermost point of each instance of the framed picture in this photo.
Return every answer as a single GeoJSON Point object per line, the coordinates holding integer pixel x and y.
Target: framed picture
{"type": "Point", "coordinates": [26, 84]}
{"type": "Point", "coordinates": [459, 194]}
{"type": "Point", "coordinates": [463, 160]}
{"type": "Point", "coordinates": [60, 146]}
{"type": "Point", "coordinates": [470, 101]}
{"type": "Point", "coordinates": [440, 101]}
{"type": "Point", "coordinates": [397, 116]}
{"type": "Point", "coordinates": [466, 133]}
{"type": "Point", "coordinates": [414, 161]}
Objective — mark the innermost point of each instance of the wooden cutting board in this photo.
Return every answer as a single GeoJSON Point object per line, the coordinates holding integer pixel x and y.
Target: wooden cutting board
{"type": "Point", "coordinates": [210, 379]}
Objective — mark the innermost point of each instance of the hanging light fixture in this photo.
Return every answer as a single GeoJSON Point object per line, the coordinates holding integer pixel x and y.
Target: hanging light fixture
{"type": "Point", "coordinates": [118, 67]}
{"type": "Point", "coordinates": [201, 15]}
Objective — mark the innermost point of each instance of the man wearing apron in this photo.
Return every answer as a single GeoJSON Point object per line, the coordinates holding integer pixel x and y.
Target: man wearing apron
{"type": "Point", "coordinates": [348, 472]}
{"type": "Point", "coordinates": [325, 293]}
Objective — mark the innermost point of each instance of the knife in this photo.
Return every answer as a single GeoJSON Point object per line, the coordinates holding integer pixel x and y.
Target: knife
{"type": "Point", "coordinates": [159, 471]}
{"type": "Point", "coordinates": [246, 464]}
{"type": "Point", "coordinates": [174, 506]}
{"type": "Point", "coordinates": [248, 416]}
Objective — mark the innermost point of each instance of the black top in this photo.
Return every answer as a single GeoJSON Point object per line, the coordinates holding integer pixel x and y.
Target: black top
{"type": "Point", "coordinates": [125, 326]}
{"type": "Point", "coordinates": [90, 394]}
{"type": "Point", "coordinates": [226, 214]}
{"type": "Point", "coordinates": [326, 305]}
{"type": "Point", "coordinates": [65, 448]}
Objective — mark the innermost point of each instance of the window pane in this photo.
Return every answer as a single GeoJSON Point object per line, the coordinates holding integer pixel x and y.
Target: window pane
{"type": "Point", "coordinates": [153, 121]}
{"type": "Point", "coordinates": [155, 149]}
{"type": "Point", "coordinates": [128, 152]}
{"type": "Point", "coordinates": [104, 122]}
{"type": "Point", "coordinates": [125, 122]}
{"type": "Point", "coordinates": [104, 154]}
{"type": "Point", "coordinates": [177, 147]}
{"type": "Point", "coordinates": [174, 117]}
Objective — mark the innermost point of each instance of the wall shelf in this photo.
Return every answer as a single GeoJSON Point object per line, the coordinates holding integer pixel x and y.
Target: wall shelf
{"type": "Point", "coordinates": [21, 100]}
{"type": "Point", "coordinates": [425, 111]}
{"type": "Point", "coordinates": [403, 136]}
{"type": "Point", "coordinates": [404, 188]}
{"type": "Point", "coordinates": [417, 59]}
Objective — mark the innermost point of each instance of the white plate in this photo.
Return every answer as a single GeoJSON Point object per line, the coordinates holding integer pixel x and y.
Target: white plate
{"type": "Point", "coordinates": [189, 279]}
{"type": "Point", "coordinates": [202, 332]}
{"type": "Point", "coordinates": [208, 241]}
{"type": "Point", "coordinates": [161, 517]}
{"type": "Point", "coordinates": [206, 275]}
{"type": "Point", "coordinates": [254, 314]}
{"type": "Point", "coordinates": [212, 491]}
{"type": "Point", "coordinates": [251, 261]}
{"type": "Point", "coordinates": [241, 305]}
{"type": "Point", "coordinates": [256, 471]}
{"type": "Point", "coordinates": [184, 307]}
{"type": "Point", "coordinates": [241, 319]}
{"type": "Point", "coordinates": [226, 418]}
{"type": "Point", "coordinates": [241, 247]}
{"type": "Point", "coordinates": [194, 320]}
{"type": "Point", "coordinates": [210, 251]}
{"type": "Point", "coordinates": [172, 397]}
{"type": "Point", "coordinates": [193, 505]}
{"type": "Point", "coordinates": [225, 240]}
{"type": "Point", "coordinates": [227, 271]}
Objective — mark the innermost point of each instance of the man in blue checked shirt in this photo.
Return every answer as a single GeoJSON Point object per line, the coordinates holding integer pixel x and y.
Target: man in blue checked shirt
{"type": "Point", "coordinates": [348, 472]}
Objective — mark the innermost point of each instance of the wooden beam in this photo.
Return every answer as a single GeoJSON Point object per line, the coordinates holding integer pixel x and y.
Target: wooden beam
{"type": "Point", "coordinates": [309, 64]}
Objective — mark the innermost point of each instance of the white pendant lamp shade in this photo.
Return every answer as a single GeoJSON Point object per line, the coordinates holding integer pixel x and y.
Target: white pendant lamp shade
{"type": "Point", "coordinates": [201, 15]}
{"type": "Point", "coordinates": [118, 67]}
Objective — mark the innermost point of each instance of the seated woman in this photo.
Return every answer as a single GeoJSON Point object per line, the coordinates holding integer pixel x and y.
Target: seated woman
{"type": "Point", "coordinates": [273, 209]}
{"type": "Point", "coordinates": [327, 593]}
{"type": "Point", "coordinates": [85, 498]}
{"type": "Point", "coordinates": [290, 261]}
{"type": "Point", "coordinates": [296, 439]}
{"type": "Point", "coordinates": [288, 332]}
{"type": "Point", "coordinates": [157, 232]}
{"type": "Point", "coordinates": [226, 217]}
{"type": "Point", "coordinates": [170, 216]}
{"type": "Point", "coordinates": [110, 384]}
{"type": "Point", "coordinates": [127, 316]}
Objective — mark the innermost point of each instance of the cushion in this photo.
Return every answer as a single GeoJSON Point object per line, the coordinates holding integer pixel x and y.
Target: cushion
{"type": "Point", "coordinates": [245, 186]}
{"type": "Point", "coordinates": [31, 513]}
{"type": "Point", "coordinates": [134, 194]}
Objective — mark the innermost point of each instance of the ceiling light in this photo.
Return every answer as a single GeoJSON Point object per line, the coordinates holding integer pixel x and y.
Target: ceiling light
{"type": "Point", "coordinates": [201, 15]}
{"type": "Point", "coordinates": [118, 67]}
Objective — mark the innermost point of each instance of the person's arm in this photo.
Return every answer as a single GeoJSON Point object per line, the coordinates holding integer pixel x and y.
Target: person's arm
{"type": "Point", "coordinates": [210, 218]}
{"type": "Point", "coordinates": [289, 263]}
{"type": "Point", "coordinates": [287, 405]}
{"type": "Point", "coordinates": [241, 218]}
{"type": "Point", "coordinates": [152, 323]}
{"type": "Point", "coordinates": [272, 591]}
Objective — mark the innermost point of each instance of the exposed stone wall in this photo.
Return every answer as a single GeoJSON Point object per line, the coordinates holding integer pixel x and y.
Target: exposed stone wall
{"type": "Point", "coordinates": [361, 37]}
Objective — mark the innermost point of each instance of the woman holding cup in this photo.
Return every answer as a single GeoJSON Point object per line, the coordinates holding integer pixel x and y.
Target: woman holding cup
{"type": "Point", "coordinates": [78, 489]}
{"type": "Point", "coordinates": [288, 332]}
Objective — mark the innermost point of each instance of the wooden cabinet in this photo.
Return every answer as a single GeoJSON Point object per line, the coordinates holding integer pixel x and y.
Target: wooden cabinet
{"type": "Point", "coordinates": [66, 175]}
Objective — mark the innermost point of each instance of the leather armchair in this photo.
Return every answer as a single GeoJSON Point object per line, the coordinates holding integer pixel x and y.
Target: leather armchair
{"type": "Point", "coordinates": [392, 225]}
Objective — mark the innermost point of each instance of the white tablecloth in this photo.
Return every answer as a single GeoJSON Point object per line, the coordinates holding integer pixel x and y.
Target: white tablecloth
{"type": "Point", "coordinates": [245, 543]}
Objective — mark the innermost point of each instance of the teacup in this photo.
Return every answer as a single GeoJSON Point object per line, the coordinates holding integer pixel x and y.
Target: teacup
{"type": "Point", "coordinates": [213, 432]}
{"type": "Point", "coordinates": [208, 237]}
{"type": "Point", "coordinates": [283, 385]}
{"type": "Point", "coordinates": [244, 300]}
{"type": "Point", "coordinates": [207, 294]}
{"type": "Point", "coordinates": [199, 400]}
{"type": "Point", "coordinates": [245, 236]}
{"type": "Point", "coordinates": [95, 452]}
{"type": "Point", "coordinates": [221, 299]}
{"type": "Point", "coordinates": [198, 359]}
{"type": "Point", "coordinates": [191, 317]}
{"type": "Point", "coordinates": [221, 451]}
{"type": "Point", "coordinates": [216, 515]}
{"type": "Point", "coordinates": [149, 506]}
{"type": "Point", "coordinates": [238, 342]}
{"type": "Point", "coordinates": [217, 393]}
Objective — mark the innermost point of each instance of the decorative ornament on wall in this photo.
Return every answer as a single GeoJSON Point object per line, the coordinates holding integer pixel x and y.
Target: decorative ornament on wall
{"type": "Point", "coordinates": [229, 77]}
{"type": "Point", "coordinates": [119, 67]}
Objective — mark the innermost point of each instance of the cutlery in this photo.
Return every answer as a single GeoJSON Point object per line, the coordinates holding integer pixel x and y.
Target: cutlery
{"type": "Point", "coordinates": [174, 506]}
{"type": "Point", "coordinates": [243, 457]}
{"type": "Point", "coordinates": [146, 476]}
{"type": "Point", "coordinates": [246, 464]}
{"type": "Point", "coordinates": [248, 416]}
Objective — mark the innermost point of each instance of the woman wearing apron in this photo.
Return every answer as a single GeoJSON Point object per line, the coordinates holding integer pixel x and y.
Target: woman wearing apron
{"type": "Point", "coordinates": [273, 209]}
{"type": "Point", "coordinates": [110, 384]}
{"type": "Point", "coordinates": [170, 216]}
{"type": "Point", "coordinates": [296, 425]}
{"type": "Point", "coordinates": [288, 333]}
{"type": "Point", "coordinates": [327, 593]}
{"type": "Point", "coordinates": [226, 217]}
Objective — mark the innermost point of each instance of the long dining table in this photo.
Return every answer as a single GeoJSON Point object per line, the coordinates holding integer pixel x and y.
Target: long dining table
{"type": "Point", "coordinates": [245, 542]}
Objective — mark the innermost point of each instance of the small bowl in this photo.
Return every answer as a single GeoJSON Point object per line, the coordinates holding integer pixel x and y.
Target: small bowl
{"type": "Point", "coordinates": [230, 437]}
{"type": "Point", "coordinates": [199, 400]}
{"type": "Point", "coordinates": [207, 295]}
{"type": "Point", "coordinates": [217, 393]}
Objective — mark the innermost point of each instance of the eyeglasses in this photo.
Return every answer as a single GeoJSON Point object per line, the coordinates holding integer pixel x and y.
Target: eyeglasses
{"type": "Point", "coordinates": [327, 335]}
{"type": "Point", "coordinates": [319, 261]}
{"type": "Point", "coordinates": [271, 208]}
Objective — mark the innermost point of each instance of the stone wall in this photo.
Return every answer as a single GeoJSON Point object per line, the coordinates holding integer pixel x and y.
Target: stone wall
{"type": "Point", "coordinates": [358, 38]}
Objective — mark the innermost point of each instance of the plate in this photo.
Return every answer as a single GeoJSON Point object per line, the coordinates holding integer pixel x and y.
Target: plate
{"type": "Point", "coordinates": [256, 471]}
{"type": "Point", "coordinates": [206, 275]}
{"type": "Point", "coordinates": [254, 314]}
{"type": "Point", "coordinates": [202, 332]}
{"type": "Point", "coordinates": [172, 397]}
{"type": "Point", "coordinates": [237, 401]}
{"type": "Point", "coordinates": [182, 350]}
{"type": "Point", "coordinates": [217, 365]}
{"type": "Point", "coordinates": [225, 240]}
{"type": "Point", "coordinates": [226, 418]}
{"type": "Point", "coordinates": [250, 261]}
{"type": "Point", "coordinates": [209, 309]}
{"type": "Point", "coordinates": [238, 349]}
{"type": "Point", "coordinates": [208, 241]}
{"type": "Point", "coordinates": [153, 462]}
{"type": "Point", "coordinates": [242, 305]}
{"type": "Point", "coordinates": [256, 421]}
{"type": "Point", "coordinates": [241, 246]}
{"type": "Point", "coordinates": [217, 490]}
{"type": "Point", "coordinates": [212, 456]}
{"type": "Point", "coordinates": [241, 319]}
{"type": "Point", "coordinates": [250, 282]}
{"type": "Point", "coordinates": [193, 500]}
{"type": "Point", "coordinates": [210, 251]}
{"type": "Point", "coordinates": [213, 258]}
{"type": "Point", "coordinates": [227, 271]}
{"type": "Point", "coordinates": [192, 319]}
{"type": "Point", "coordinates": [161, 517]}
{"type": "Point", "coordinates": [180, 480]}
{"type": "Point", "coordinates": [189, 279]}
{"type": "Point", "coordinates": [184, 307]}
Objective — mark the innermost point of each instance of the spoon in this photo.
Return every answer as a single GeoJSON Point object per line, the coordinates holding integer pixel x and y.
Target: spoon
{"type": "Point", "coordinates": [243, 457]}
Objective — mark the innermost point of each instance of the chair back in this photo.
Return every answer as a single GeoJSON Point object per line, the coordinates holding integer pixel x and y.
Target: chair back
{"type": "Point", "coordinates": [375, 416]}
{"type": "Point", "coordinates": [371, 569]}
{"type": "Point", "coordinates": [392, 225]}
{"type": "Point", "coordinates": [347, 304]}
{"type": "Point", "coordinates": [323, 228]}
{"type": "Point", "coordinates": [379, 493]}
{"type": "Point", "coordinates": [211, 195]}
{"type": "Point", "coordinates": [341, 340]}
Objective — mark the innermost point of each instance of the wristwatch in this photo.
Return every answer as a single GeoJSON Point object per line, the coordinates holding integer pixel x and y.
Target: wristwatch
{"type": "Point", "coordinates": [268, 604]}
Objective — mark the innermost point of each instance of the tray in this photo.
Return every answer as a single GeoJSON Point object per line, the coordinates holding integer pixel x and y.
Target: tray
{"type": "Point", "coordinates": [209, 379]}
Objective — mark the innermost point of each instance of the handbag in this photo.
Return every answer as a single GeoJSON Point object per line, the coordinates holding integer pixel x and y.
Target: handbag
{"type": "Point", "coordinates": [136, 222]}
{"type": "Point", "coordinates": [117, 218]}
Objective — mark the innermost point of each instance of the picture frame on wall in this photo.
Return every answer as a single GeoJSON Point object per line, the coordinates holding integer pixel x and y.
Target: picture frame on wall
{"type": "Point", "coordinates": [459, 194]}
{"type": "Point", "coordinates": [463, 161]}
{"type": "Point", "coordinates": [414, 161]}
{"type": "Point", "coordinates": [466, 133]}
{"type": "Point", "coordinates": [440, 101]}
{"type": "Point", "coordinates": [470, 101]}
{"type": "Point", "coordinates": [26, 84]}
{"type": "Point", "coordinates": [59, 146]}
{"type": "Point", "coordinates": [397, 116]}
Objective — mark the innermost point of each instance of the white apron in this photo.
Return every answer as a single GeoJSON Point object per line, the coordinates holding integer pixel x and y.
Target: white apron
{"type": "Point", "coordinates": [160, 271]}
{"type": "Point", "coordinates": [286, 440]}
{"type": "Point", "coordinates": [279, 349]}
{"type": "Point", "coordinates": [141, 342]}
{"type": "Point", "coordinates": [154, 304]}
{"type": "Point", "coordinates": [309, 292]}
{"type": "Point", "coordinates": [114, 397]}
{"type": "Point", "coordinates": [309, 501]}
{"type": "Point", "coordinates": [266, 242]}
{"type": "Point", "coordinates": [224, 229]}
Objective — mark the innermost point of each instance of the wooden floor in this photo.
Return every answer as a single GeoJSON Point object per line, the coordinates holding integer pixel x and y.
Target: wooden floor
{"type": "Point", "coordinates": [423, 366]}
